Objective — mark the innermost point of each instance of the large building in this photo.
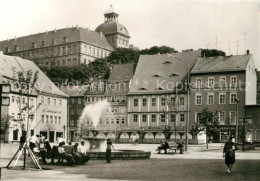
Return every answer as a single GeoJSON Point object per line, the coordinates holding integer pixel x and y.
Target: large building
{"type": "Point", "coordinates": [48, 105]}
{"type": "Point", "coordinates": [157, 100]}
{"type": "Point", "coordinates": [70, 46]}
{"type": "Point", "coordinates": [224, 84]}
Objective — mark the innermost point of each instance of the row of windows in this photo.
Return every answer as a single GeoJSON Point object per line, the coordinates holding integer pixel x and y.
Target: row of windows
{"type": "Point", "coordinates": [161, 118]}
{"type": "Point", "coordinates": [221, 116]}
{"type": "Point", "coordinates": [210, 98]}
{"type": "Point", "coordinates": [50, 119]}
{"type": "Point", "coordinates": [95, 51]}
{"type": "Point", "coordinates": [80, 100]}
{"type": "Point", "coordinates": [122, 42]}
{"type": "Point", "coordinates": [50, 101]}
{"type": "Point", "coordinates": [20, 100]}
{"type": "Point", "coordinates": [108, 121]}
{"type": "Point", "coordinates": [222, 81]}
{"type": "Point", "coordinates": [163, 101]}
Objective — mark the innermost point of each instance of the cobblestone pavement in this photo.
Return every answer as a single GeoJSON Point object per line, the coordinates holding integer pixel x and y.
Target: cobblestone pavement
{"type": "Point", "coordinates": [196, 164]}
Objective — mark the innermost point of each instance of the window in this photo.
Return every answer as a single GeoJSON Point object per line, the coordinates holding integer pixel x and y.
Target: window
{"type": "Point", "coordinates": [59, 120]}
{"type": "Point", "coordinates": [60, 102]}
{"type": "Point", "coordinates": [74, 61]}
{"type": "Point", "coordinates": [233, 81]}
{"type": "Point", "coordinates": [153, 117]}
{"type": "Point", "coordinates": [42, 100]}
{"type": "Point", "coordinates": [198, 117]}
{"type": "Point", "coordinates": [144, 118]}
{"type": "Point", "coordinates": [162, 118]}
{"type": "Point", "coordinates": [153, 101]}
{"type": "Point", "coordinates": [135, 102]}
{"type": "Point", "coordinates": [51, 119]}
{"type": "Point", "coordinates": [181, 100]}
{"type": "Point", "coordinates": [210, 99]}
{"type": "Point", "coordinates": [42, 118]}
{"type": "Point", "coordinates": [232, 116]}
{"type": "Point", "coordinates": [210, 81]}
{"type": "Point", "coordinates": [72, 100]}
{"type": "Point", "coordinates": [48, 101]}
{"type": "Point", "coordinates": [222, 81]}
{"type": "Point", "coordinates": [71, 122]}
{"type": "Point", "coordinates": [107, 121]}
{"type": "Point", "coordinates": [47, 119]}
{"type": "Point", "coordinates": [182, 117]}
{"type": "Point", "coordinates": [55, 119]}
{"type": "Point", "coordinates": [54, 102]}
{"type": "Point", "coordinates": [13, 98]}
{"type": "Point", "coordinates": [79, 100]}
{"type": "Point", "coordinates": [233, 97]}
{"type": "Point", "coordinates": [135, 117]}
{"type": "Point", "coordinates": [78, 111]}
{"type": "Point", "coordinates": [222, 116]}
{"type": "Point", "coordinates": [123, 121]}
{"type": "Point", "coordinates": [173, 101]}
{"type": "Point", "coordinates": [18, 100]}
{"type": "Point", "coordinates": [222, 98]}
{"type": "Point", "coordinates": [144, 102]}
{"type": "Point", "coordinates": [173, 118]}
{"type": "Point", "coordinates": [23, 100]}
{"type": "Point", "coordinates": [198, 82]}
{"type": "Point", "coordinates": [162, 101]}
{"type": "Point", "coordinates": [198, 99]}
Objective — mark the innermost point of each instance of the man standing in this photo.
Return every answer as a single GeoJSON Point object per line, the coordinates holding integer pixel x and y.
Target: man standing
{"type": "Point", "coordinates": [108, 150]}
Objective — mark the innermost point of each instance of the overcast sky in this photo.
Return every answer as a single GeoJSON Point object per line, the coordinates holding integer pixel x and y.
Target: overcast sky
{"type": "Point", "coordinates": [179, 24]}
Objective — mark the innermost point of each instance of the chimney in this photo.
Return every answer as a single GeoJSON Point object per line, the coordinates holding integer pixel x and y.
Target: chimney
{"type": "Point", "coordinates": [1, 53]}
{"type": "Point", "coordinates": [247, 52]}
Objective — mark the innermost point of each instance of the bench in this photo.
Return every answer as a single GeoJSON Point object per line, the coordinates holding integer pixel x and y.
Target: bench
{"type": "Point", "coordinates": [174, 147]}
{"type": "Point", "coordinates": [54, 154]}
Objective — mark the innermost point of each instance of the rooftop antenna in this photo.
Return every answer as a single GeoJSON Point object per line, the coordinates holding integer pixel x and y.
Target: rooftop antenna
{"type": "Point", "coordinates": [245, 39]}
{"type": "Point", "coordinates": [237, 46]}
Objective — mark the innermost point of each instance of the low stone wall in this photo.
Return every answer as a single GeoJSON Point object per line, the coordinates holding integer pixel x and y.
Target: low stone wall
{"type": "Point", "coordinates": [120, 155]}
{"type": "Point", "coordinates": [247, 146]}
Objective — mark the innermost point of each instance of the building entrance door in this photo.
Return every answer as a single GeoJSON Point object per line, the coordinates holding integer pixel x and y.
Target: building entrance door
{"type": "Point", "coordinates": [51, 135]}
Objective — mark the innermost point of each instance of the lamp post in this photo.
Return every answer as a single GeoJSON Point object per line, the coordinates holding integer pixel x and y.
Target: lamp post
{"type": "Point", "coordinates": [188, 102]}
{"type": "Point", "coordinates": [237, 101]}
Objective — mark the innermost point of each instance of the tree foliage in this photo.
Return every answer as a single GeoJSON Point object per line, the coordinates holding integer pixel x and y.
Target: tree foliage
{"type": "Point", "coordinates": [123, 55]}
{"type": "Point", "coordinates": [155, 50]}
{"type": "Point", "coordinates": [212, 53]}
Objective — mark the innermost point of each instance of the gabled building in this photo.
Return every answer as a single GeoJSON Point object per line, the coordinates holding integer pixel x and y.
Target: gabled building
{"type": "Point", "coordinates": [157, 99]}
{"type": "Point", "coordinates": [224, 84]}
{"type": "Point", "coordinates": [47, 117]}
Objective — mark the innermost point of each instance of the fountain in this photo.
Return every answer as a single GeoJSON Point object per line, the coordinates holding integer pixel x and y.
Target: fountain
{"type": "Point", "coordinates": [96, 146]}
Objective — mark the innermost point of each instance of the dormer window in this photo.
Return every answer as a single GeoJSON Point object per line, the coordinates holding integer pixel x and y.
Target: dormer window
{"type": "Point", "coordinates": [156, 75]}
{"type": "Point", "coordinates": [54, 42]}
{"type": "Point", "coordinates": [34, 45]}
{"type": "Point", "coordinates": [43, 43]}
{"type": "Point", "coordinates": [65, 39]}
{"type": "Point", "coordinates": [142, 88]}
{"type": "Point", "coordinates": [7, 49]}
{"type": "Point", "coordinates": [167, 62]}
{"type": "Point", "coordinates": [173, 75]}
{"type": "Point", "coordinates": [16, 48]}
{"type": "Point", "coordinates": [159, 88]}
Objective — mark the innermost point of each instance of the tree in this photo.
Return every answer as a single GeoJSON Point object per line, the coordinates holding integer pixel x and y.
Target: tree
{"type": "Point", "coordinates": [123, 55]}
{"type": "Point", "coordinates": [6, 124]}
{"type": "Point", "coordinates": [208, 122]}
{"type": "Point", "coordinates": [98, 68]}
{"type": "Point", "coordinates": [212, 53]}
{"type": "Point", "coordinates": [155, 50]}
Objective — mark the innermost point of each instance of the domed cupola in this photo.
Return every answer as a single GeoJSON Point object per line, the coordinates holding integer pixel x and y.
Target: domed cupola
{"type": "Point", "coordinates": [117, 35]}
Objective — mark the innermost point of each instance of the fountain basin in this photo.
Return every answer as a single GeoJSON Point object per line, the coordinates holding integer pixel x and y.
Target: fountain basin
{"type": "Point", "coordinates": [120, 155]}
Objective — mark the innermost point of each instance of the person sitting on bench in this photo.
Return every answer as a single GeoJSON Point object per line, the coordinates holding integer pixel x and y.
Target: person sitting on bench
{"type": "Point", "coordinates": [69, 157]}
{"type": "Point", "coordinates": [46, 150]}
{"type": "Point", "coordinates": [82, 151]}
{"type": "Point", "coordinates": [164, 146]}
{"type": "Point", "coordinates": [75, 153]}
{"type": "Point", "coordinates": [180, 147]}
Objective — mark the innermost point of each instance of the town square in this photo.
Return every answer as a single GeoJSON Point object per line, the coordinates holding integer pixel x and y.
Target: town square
{"type": "Point", "coordinates": [130, 90]}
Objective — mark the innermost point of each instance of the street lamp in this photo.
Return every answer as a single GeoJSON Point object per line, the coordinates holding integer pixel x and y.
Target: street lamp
{"type": "Point", "coordinates": [188, 101]}
{"type": "Point", "coordinates": [237, 101]}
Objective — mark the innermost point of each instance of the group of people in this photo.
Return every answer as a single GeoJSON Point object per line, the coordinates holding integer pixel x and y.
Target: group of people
{"type": "Point", "coordinates": [78, 152]}
{"type": "Point", "coordinates": [164, 145]}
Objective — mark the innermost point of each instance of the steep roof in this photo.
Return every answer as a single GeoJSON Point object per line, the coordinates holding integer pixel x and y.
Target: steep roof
{"type": "Point", "coordinates": [75, 91]}
{"type": "Point", "coordinates": [111, 27]}
{"type": "Point", "coordinates": [73, 34]}
{"type": "Point", "coordinates": [155, 72]}
{"type": "Point", "coordinates": [121, 73]}
{"type": "Point", "coordinates": [221, 64]}
{"type": "Point", "coordinates": [11, 63]}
